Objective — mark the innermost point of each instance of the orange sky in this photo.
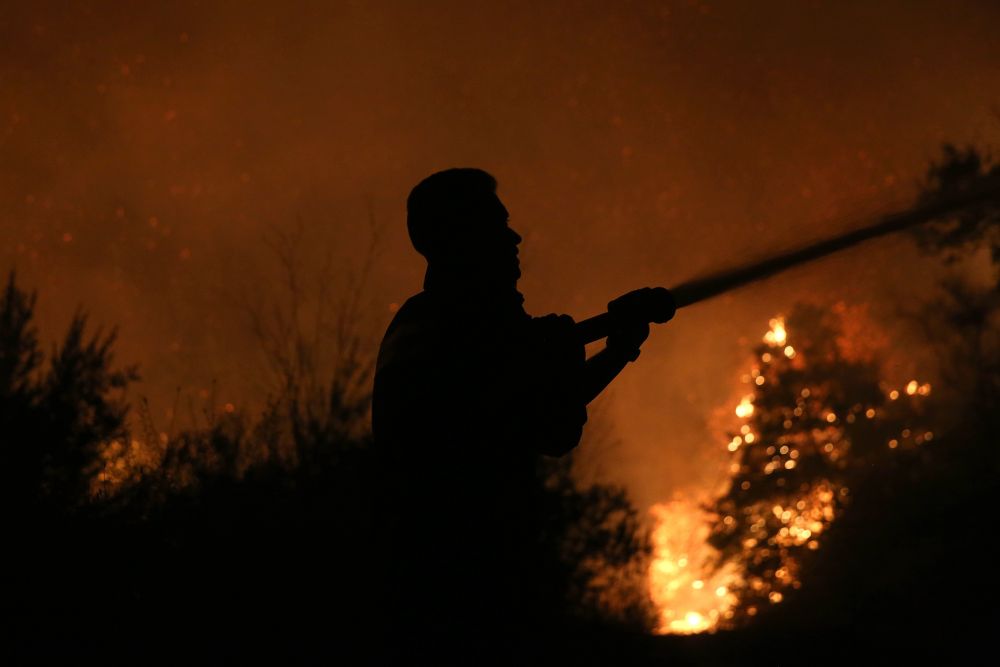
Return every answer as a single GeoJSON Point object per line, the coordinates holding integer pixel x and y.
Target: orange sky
{"type": "Point", "coordinates": [144, 154]}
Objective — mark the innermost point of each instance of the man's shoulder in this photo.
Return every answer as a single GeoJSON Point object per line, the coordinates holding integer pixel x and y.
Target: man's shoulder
{"type": "Point", "coordinates": [417, 312]}
{"type": "Point", "coordinates": [428, 326]}
{"type": "Point", "coordinates": [407, 335]}
{"type": "Point", "coordinates": [418, 306]}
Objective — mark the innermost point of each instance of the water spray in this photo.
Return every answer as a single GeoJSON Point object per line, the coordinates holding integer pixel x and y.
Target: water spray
{"type": "Point", "coordinates": [659, 303]}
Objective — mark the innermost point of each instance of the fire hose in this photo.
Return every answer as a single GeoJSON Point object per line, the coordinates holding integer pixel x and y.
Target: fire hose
{"type": "Point", "coordinates": [657, 305]}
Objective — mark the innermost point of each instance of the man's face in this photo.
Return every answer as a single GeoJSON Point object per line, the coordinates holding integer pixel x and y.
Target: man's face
{"type": "Point", "coordinates": [490, 245]}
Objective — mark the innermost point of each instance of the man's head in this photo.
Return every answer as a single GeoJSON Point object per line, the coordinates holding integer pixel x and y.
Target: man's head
{"type": "Point", "coordinates": [457, 222]}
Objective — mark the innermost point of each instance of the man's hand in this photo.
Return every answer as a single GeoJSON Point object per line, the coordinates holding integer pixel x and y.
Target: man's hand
{"type": "Point", "coordinates": [648, 304]}
{"type": "Point", "coordinates": [626, 338]}
{"type": "Point", "coordinates": [631, 314]}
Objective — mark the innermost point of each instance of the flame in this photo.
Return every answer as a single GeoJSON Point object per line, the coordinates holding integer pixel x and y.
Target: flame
{"type": "Point", "coordinates": [777, 335]}
{"type": "Point", "coordinates": [690, 598]}
{"type": "Point", "coordinates": [692, 592]}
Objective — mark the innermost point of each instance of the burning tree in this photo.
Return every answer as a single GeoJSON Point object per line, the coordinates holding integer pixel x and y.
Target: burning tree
{"type": "Point", "coordinates": [816, 416]}
{"type": "Point", "coordinates": [820, 427]}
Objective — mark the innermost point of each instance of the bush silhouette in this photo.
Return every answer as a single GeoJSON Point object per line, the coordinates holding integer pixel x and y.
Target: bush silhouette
{"type": "Point", "coordinates": [54, 415]}
{"type": "Point", "coordinates": [249, 535]}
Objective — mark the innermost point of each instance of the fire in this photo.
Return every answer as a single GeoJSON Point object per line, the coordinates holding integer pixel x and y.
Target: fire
{"type": "Point", "coordinates": [762, 544]}
{"type": "Point", "coordinates": [693, 596]}
{"type": "Point", "coordinates": [777, 335]}
{"type": "Point", "coordinates": [690, 598]}
{"type": "Point", "coordinates": [745, 408]}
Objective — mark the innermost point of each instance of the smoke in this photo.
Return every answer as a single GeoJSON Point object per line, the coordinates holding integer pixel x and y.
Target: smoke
{"type": "Point", "coordinates": [147, 151]}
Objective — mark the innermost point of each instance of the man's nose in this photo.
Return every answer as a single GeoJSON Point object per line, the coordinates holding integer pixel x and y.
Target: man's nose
{"type": "Point", "coordinates": [515, 237]}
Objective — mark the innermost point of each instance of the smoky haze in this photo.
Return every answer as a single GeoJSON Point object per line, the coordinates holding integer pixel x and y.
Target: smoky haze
{"type": "Point", "coordinates": [148, 152]}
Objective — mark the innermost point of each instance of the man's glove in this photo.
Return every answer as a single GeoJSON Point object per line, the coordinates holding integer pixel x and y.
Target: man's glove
{"type": "Point", "coordinates": [631, 314]}
{"type": "Point", "coordinates": [625, 339]}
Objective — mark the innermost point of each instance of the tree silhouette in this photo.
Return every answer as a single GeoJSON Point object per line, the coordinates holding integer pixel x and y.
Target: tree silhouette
{"type": "Point", "coordinates": [55, 416]}
{"type": "Point", "coordinates": [961, 323]}
{"type": "Point", "coordinates": [954, 237]}
{"type": "Point", "coordinates": [20, 359]}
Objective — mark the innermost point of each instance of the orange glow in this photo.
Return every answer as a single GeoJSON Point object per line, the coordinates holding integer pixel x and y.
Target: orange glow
{"type": "Point", "coordinates": [124, 462]}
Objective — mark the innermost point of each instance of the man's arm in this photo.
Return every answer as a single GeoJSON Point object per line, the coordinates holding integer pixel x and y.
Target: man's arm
{"type": "Point", "coordinates": [630, 315]}
{"type": "Point", "coordinates": [563, 383]}
{"type": "Point", "coordinates": [603, 367]}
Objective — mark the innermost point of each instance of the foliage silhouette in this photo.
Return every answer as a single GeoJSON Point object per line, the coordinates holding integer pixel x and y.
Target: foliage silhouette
{"type": "Point", "coordinates": [55, 416]}
{"type": "Point", "coordinates": [247, 536]}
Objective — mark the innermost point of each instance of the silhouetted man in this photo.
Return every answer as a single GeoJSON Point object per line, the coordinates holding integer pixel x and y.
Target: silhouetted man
{"type": "Point", "coordinates": [469, 390]}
